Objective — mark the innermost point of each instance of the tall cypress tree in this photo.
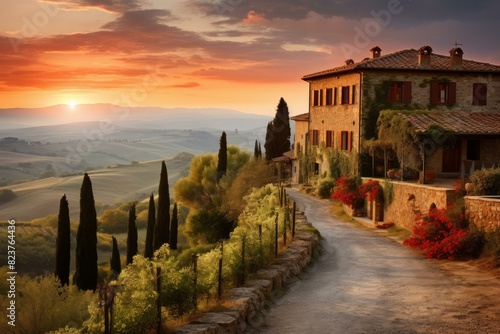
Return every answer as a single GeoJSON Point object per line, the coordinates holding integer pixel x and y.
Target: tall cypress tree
{"type": "Point", "coordinates": [148, 250]}
{"type": "Point", "coordinates": [162, 229]}
{"type": "Point", "coordinates": [278, 132]}
{"type": "Point", "coordinates": [86, 239]}
{"type": "Point", "coordinates": [174, 227]}
{"type": "Point", "coordinates": [115, 261]}
{"type": "Point", "coordinates": [256, 150]}
{"type": "Point", "coordinates": [131, 235]}
{"type": "Point", "coordinates": [222, 161]}
{"type": "Point", "coordinates": [260, 151]}
{"type": "Point", "coordinates": [63, 243]}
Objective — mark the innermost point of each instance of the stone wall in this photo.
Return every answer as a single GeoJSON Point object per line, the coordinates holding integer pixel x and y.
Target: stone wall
{"type": "Point", "coordinates": [250, 302]}
{"type": "Point", "coordinates": [483, 212]}
{"type": "Point", "coordinates": [410, 199]}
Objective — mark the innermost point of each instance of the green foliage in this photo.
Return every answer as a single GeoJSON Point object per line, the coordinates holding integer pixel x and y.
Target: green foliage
{"type": "Point", "coordinates": [341, 163]}
{"type": "Point", "coordinates": [174, 228]}
{"type": "Point", "coordinates": [63, 243]}
{"type": "Point", "coordinates": [200, 188]}
{"type": "Point", "coordinates": [278, 132]}
{"type": "Point", "coordinates": [115, 261]}
{"type": "Point", "coordinates": [208, 226]}
{"type": "Point", "coordinates": [388, 187]}
{"type": "Point", "coordinates": [86, 240]}
{"type": "Point", "coordinates": [161, 234]}
{"type": "Point", "coordinates": [222, 157]}
{"type": "Point", "coordinates": [135, 300]}
{"type": "Point", "coordinates": [131, 235]}
{"type": "Point", "coordinates": [486, 182]}
{"type": "Point", "coordinates": [113, 221]}
{"type": "Point", "coordinates": [43, 304]}
{"type": "Point", "coordinates": [325, 188]}
{"type": "Point", "coordinates": [148, 248]}
{"type": "Point", "coordinates": [254, 174]}
{"type": "Point", "coordinates": [6, 195]}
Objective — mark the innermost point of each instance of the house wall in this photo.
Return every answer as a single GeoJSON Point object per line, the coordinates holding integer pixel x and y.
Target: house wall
{"type": "Point", "coordinates": [411, 199]}
{"type": "Point", "coordinates": [300, 139]}
{"type": "Point", "coordinates": [483, 212]}
{"type": "Point", "coordinates": [335, 117]}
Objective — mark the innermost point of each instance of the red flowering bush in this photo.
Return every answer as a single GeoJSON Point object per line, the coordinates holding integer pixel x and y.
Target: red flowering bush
{"type": "Point", "coordinates": [372, 188]}
{"type": "Point", "coordinates": [439, 237]}
{"type": "Point", "coordinates": [347, 192]}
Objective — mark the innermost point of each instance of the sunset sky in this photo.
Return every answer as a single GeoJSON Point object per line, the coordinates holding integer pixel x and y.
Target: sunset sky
{"type": "Point", "coordinates": [238, 54]}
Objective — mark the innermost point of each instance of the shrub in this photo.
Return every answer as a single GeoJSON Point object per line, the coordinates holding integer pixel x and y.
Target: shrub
{"type": "Point", "coordinates": [439, 237]}
{"type": "Point", "coordinates": [43, 305]}
{"type": "Point", "coordinates": [346, 190]}
{"type": "Point", "coordinates": [6, 195]}
{"type": "Point", "coordinates": [486, 182]}
{"type": "Point", "coordinates": [325, 188]}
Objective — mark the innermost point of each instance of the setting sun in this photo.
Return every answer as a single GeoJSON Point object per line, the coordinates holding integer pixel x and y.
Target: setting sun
{"type": "Point", "coordinates": [72, 105]}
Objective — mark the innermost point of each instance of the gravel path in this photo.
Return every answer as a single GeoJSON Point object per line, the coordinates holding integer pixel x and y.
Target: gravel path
{"type": "Point", "coordinates": [367, 283]}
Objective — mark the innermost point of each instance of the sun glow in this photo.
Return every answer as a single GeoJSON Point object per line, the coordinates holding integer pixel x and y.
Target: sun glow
{"type": "Point", "coordinates": [72, 105]}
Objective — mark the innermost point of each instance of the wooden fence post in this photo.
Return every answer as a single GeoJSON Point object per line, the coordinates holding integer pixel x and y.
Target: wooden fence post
{"type": "Point", "coordinates": [276, 235]}
{"type": "Point", "coordinates": [195, 281]}
{"type": "Point", "coordinates": [158, 301]}
{"type": "Point", "coordinates": [219, 287]}
{"type": "Point", "coordinates": [293, 218]}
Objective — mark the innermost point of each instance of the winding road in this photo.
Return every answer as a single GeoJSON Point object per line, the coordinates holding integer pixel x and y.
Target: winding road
{"type": "Point", "coordinates": [366, 282]}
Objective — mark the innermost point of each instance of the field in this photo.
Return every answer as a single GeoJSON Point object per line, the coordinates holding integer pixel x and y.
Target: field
{"type": "Point", "coordinates": [111, 185]}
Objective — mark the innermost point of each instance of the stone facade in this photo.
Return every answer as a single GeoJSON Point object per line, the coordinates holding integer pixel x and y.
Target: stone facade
{"type": "Point", "coordinates": [300, 136]}
{"type": "Point", "coordinates": [337, 122]}
{"type": "Point", "coordinates": [410, 199]}
{"type": "Point", "coordinates": [483, 212]}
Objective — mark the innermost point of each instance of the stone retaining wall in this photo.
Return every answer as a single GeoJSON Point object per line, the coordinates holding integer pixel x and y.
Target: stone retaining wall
{"type": "Point", "coordinates": [483, 212]}
{"type": "Point", "coordinates": [410, 199]}
{"type": "Point", "coordinates": [249, 301]}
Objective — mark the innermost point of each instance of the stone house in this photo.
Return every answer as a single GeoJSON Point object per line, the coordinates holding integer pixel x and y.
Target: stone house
{"type": "Point", "coordinates": [345, 103]}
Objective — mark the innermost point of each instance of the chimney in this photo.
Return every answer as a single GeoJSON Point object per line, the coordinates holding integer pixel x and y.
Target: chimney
{"type": "Point", "coordinates": [376, 52]}
{"type": "Point", "coordinates": [456, 57]}
{"type": "Point", "coordinates": [424, 56]}
{"type": "Point", "coordinates": [349, 62]}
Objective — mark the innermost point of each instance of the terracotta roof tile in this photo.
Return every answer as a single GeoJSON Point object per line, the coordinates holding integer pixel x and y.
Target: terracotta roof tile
{"type": "Point", "coordinates": [458, 122]}
{"type": "Point", "coordinates": [301, 117]}
{"type": "Point", "coordinates": [408, 60]}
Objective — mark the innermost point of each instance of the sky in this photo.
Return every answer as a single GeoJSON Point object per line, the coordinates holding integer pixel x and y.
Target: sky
{"type": "Point", "coordinates": [237, 54]}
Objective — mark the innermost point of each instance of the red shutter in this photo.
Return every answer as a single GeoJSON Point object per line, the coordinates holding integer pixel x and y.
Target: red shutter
{"type": "Point", "coordinates": [339, 141]}
{"type": "Point", "coordinates": [333, 139]}
{"type": "Point", "coordinates": [349, 141]}
{"type": "Point", "coordinates": [452, 92]}
{"type": "Point", "coordinates": [335, 93]}
{"type": "Point", "coordinates": [407, 92]}
{"type": "Point", "coordinates": [434, 92]}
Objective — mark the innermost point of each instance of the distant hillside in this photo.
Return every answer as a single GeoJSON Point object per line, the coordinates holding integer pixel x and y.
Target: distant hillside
{"type": "Point", "coordinates": [138, 117]}
{"type": "Point", "coordinates": [117, 184]}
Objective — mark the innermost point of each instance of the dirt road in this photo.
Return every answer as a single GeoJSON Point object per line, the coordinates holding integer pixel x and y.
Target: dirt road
{"type": "Point", "coordinates": [368, 283]}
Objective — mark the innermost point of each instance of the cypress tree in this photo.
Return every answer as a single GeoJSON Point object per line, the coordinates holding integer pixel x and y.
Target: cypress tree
{"type": "Point", "coordinates": [148, 250]}
{"type": "Point", "coordinates": [115, 261]}
{"type": "Point", "coordinates": [222, 161]}
{"type": "Point", "coordinates": [269, 144]}
{"type": "Point", "coordinates": [174, 227]}
{"type": "Point", "coordinates": [131, 235]}
{"type": "Point", "coordinates": [63, 243]}
{"type": "Point", "coordinates": [86, 239]}
{"type": "Point", "coordinates": [260, 151]}
{"type": "Point", "coordinates": [162, 230]}
{"type": "Point", "coordinates": [278, 132]}
{"type": "Point", "coordinates": [256, 150]}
